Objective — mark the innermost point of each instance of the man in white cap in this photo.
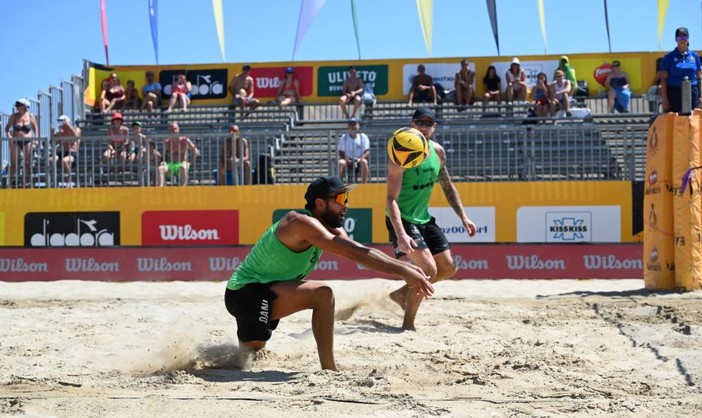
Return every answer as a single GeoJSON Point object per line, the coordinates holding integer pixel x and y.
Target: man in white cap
{"type": "Point", "coordinates": [67, 137]}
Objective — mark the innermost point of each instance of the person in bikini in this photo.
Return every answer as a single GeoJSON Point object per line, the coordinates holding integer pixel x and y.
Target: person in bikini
{"type": "Point", "coordinates": [289, 89]}
{"type": "Point", "coordinates": [22, 126]}
{"type": "Point", "coordinates": [113, 96]}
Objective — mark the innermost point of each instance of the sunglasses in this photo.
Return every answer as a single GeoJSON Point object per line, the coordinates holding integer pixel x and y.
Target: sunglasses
{"type": "Point", "coordinates": [425, 123]}
{"type": "Point", "coordinates": [682, 38]}
{"type": "Point", "coordinates": [341, 198]}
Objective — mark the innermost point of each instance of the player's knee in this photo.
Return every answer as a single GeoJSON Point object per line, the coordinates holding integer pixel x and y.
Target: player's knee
{"type": "Point", "coordinates": [324, 295]}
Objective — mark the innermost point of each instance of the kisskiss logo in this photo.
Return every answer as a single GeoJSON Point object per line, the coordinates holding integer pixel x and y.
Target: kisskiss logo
{"type": "Point", "coordinates": [71, 229]}
{"type": "Point", "coordinates": [190, 227]}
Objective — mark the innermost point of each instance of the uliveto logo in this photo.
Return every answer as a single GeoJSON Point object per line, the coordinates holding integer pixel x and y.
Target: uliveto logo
{"type": "Point", "coordinates": [190, 227]}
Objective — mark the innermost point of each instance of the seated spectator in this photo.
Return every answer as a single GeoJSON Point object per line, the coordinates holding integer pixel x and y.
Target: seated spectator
{"type": "Point", "coordinates": [180, 93]}
{"type": "Point", "coordinates": [463, 83]}
{"type": "Point", "coordinates": [492, 84]}
{"type": "Point", "coordinates": [354, 150]}
{"type": "Point", "coordinates": [242, 90]}
{"type": "Point", "coordinates": [235, 156]}
{"type": "Point", "coordinates": [176, 153]}
{"type": "Point", "coordinates": [131, 96]}
{"type": "Point", "coordinates": [543, 104]}
{"type": "Point", "coordinates": [112, 97]}
{"type": "Point", "coordinates": [151, 92]}
{"type": "Point", "coordinates": [422, 89]}
{"type": "Point", "coordinates": [516, 82]}
{"type": "Point", "coordinates": [137, 142]}
{"type": "Point", "coordinates": [352, 91]}
{"type": "Point", "coordinates": [151, 160]}
{"type": "Point", "coordinates": [559, 93]}
{"type": "Point", "coordinates": [67, 137]}
{"type": "Point", "coordinates": [118, 141]}
{"type": "Point", "coordinates": [619, 93]}
{"type": "Point", "coordinates": [569, 72]}
{"type": "Point", "coordinates": [289, 89]}
{"type": "Point", "coordinates": [653, 94]}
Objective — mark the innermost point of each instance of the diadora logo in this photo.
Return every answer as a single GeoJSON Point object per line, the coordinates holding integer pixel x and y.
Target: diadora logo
{"type": "Point", "coordinates": [190, 227]}
{"type": "Point", "coordinates": [71, 229]}
{"type": "Point", "coordinates": [206, 83]}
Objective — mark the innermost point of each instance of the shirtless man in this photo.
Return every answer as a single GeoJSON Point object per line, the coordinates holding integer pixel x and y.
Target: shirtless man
{"type": "Point", "coordinates": [352, 89]}
{"type": "Point", "coordinates": [175, 153]}
{"type": "Point", "coordinates": [68, 139]}
{"type": "Point", "coordinates": [242, 89]}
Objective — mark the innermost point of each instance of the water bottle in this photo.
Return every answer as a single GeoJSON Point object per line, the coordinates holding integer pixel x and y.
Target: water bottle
{"type": "Point", "coordinates": [686, 93]}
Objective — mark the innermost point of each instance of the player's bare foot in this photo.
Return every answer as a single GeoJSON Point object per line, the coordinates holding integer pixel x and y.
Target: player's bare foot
{"type": "Point", "coordinates": [399, 296]}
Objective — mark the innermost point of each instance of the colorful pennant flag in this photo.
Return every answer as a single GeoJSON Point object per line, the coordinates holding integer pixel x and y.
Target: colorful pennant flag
{"type": "Point", "coordinates": [308, 11]}
{"type": "Point", "coordinates": [153, 18]}
{"type": "Point", "coordinates": [219, 23]}
{"type": "Point", "coordinates": [103, 22]}
{"type": "Point", "coordinates": [662, 10]}
{"type": "Point", "coordinates": [426, 11]}
{"type": "Point", "coordinates": [492, 12]}
{"type": "Point", "coordinates": [609, 41]}
{"type": "Point", "coordinates": [355, 26]}
{"type": "Point", "coordinates": [542, 19]}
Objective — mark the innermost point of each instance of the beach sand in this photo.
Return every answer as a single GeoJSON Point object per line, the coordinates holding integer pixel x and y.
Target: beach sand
{"type": "Point", "coordinates": [482, 348]}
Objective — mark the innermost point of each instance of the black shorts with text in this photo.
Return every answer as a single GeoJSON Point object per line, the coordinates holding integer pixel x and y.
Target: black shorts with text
{"type": "Point", "coordinates": [427, 235]}
{"type": "Point", "coordinates": [252, 306]}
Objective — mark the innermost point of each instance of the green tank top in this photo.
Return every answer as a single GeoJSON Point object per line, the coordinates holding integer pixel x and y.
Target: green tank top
{"type": "Point", "coordinates": [417, 184]}
{"type": "Point", "coordinates": [271, 261]}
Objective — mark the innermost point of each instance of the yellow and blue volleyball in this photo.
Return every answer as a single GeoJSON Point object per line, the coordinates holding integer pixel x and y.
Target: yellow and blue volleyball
{"type": "Point", "coordinates": [407, 147]}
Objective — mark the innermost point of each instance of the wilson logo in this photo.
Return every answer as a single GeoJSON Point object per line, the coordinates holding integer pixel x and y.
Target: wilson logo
{"type": "Point", "coordinates": [224, 263]}
{"type": "Point", "coordinates": [149, 264]}
{"type": "Point", "coordinates": [187, 233]}
{"type": "Point", "coordinates": [533, 262]}
{"type": "Point", "coordinates": [610, 262]}
{"type": "Point", "coordinates": [467, 264]}
{"type": "Point", "coordinates": [18, 265]}
{"type": "Point", "coordinates": [84, 265]}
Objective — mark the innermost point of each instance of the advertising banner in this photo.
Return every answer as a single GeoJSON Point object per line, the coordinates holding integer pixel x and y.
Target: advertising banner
{"type": "Point", "coordinates": [71, 229]}
{"type": "Point", "coordinates": [569, 224]}
{"type": "Point", "coordinates": [443, 73]}
{"type": "Point", "coordinates": [451, 226]}
{"type": "Point", "coordinates": [480, 261]}
{"type": "Point", "coordinates": [190, 227]}
{"type": "Point", "coordinates": [331, 79]}
{"type": "Point", "coordinates": [358, 223]}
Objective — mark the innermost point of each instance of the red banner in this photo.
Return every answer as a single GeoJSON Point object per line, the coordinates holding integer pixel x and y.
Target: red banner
{"type": "Point", "coordinates": [509, 261]}
{"type": "Point", "coordinates": [190, 227]}
{"type": "Point", "coordinates": [267, 80]}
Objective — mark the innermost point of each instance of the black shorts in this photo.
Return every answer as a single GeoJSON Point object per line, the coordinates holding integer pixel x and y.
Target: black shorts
{"type": "Point", "coordinates": [675, 98]}
{"type": "Point", "coordinates": [427, 235]}
{"type": "Point", "coordinates": [252, 306]}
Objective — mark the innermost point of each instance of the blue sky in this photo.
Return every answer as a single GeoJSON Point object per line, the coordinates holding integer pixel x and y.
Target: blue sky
{"type": "Point", "coordinates": [45, 41]}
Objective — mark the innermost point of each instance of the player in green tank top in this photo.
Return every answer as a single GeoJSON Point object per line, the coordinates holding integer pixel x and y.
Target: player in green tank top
{"type": "Point", "coordinates": [269, 284]}
{"type": "Point", "coordinates": [413, 231]}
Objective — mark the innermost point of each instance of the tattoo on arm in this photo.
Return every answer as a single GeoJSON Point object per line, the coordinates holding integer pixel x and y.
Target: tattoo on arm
{"type": "Point", "coordinates": [450, 191]}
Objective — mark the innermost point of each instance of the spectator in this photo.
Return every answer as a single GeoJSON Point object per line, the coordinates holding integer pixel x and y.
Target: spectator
{"type": "Point", "coordinates": [112, 97]}
{"type": "Point", "coordinates": [422, 89]}
{"type": "Point", "coordinates": [619, 92]}
{"type": "Point", "coordinates": [559, 93]}
{"type": "Point", "coordinates": [569, 72]}
{"type": "Point", "coordinates": [541, 95]}
{"type": "Point", "coordinates": [131, 94]}
{"type": "Point", "coordinates": [21, 127]}
{"type": "Point", "coordinates": [463, 83]}
{"type": "Point", "coordinates": [352, 91]}
{"type": "Point", "coordinates": [118, 141]}
{"type": "Point", "coordinates": [354, 150]}
{"type": "Point", "coordinates": [653, 95]}
{"type": "Point", "coordinates": [137, 141]}
{"type": "Point", "coordinates": [151, 92]}
{"type": "Point", "coordinates": [678, 64]}
{"type": "Point", "coordinates": [235, 156]}
{"type": "Point", "coordinates": [516, 82]}
{"type": "Point", "coordinates": [492, 85]}
{"type": "Point", "coordinates": [67, 137]}
{"type": "Point", "coordinates": [242, 89]}
{"type": "Point", "coordinates": [149, 156]}
{"type": "Point", "coordinates": [180, 93]}
{"type": "Point", "coordinates": [176, 149]}
{"type": "Point", "coordinates": [289, 89]}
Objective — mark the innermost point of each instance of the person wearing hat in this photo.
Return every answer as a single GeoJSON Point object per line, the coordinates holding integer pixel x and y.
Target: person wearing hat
{"type": "Point", "coordinates": [681, 62]}
{"type": "Point", "coordinates": [516, 81]}
{"type": "Point", "coordinates": [289, 89]}
{"type": "Point", "coordinates": [21, 127]}
{"type": "Point", "coordinates": [412, 230]}
{"type": "Point", "coordinates": [242, 89]}
{"type": "Point", "coordinates": [569, 72]}
{"type": "Point", "coordinates": [151, 92]}
{"type": "Point", "coordinates": [354, 151]}
{"type": "Point", "coordinates": [422, 89]}
{"type": "Point", "coordinates": [67, 137]}
{"type": "Point", "coordinates": [118, 141]}
{"type": "Point", "coordinates": [270, 284]}
{"type": "Point", "coordinates": [352, 91]}
{"type": "Point", "coordinates": [619, 91]}
{"type": "Point", "coordinates": [559, 92]}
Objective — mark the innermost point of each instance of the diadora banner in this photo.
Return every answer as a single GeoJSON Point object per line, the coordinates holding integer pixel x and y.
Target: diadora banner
{"type": "Point", "coordinates": [322, 81]}
{"type": "Point", "coordinates": [601, 261]}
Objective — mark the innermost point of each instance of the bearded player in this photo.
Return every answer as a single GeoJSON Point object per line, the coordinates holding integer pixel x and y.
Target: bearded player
{"type": "Point", "coordinates": [413, 232]}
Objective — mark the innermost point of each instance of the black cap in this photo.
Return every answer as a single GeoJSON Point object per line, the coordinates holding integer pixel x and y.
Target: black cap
{"type": "Point", "coordinates": [681, 32]}
{"type": "Point", "coordinates": [246, 67]}
{"type": "Point", "coordinates": [326, 186]}
{"type": "Point", "coordinates": [424, 112]}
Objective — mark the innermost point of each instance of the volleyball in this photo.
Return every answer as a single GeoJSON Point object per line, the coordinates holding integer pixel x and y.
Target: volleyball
{"type": "Point", "coordinates": [407, 147]}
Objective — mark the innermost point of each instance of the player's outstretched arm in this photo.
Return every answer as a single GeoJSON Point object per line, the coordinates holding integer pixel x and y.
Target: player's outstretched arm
{"type": "Point", "coordinates": [452, 196]}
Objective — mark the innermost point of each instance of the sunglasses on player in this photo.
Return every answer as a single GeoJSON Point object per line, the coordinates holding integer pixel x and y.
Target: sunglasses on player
{"type": "Point", "coordinates": [424, 122]}
{"type": "Point", "coordinates": [341, 198]}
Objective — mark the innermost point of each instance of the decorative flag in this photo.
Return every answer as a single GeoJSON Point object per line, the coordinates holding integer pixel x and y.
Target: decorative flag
{"type": "Point", "coordinates": [355, 26]}
{"type": "Point", "coordinates": [662, 10]}
{"type": "Point", "coordinates": [103, 21]}
{"type": "Point", "coordinates": [492, 12]}
{"type": "Point", "coordinates": [426, 10]}
{"type": "Point", "coordinates": [308, 11]}
{"type": "Point", "coordinates": [542, 19]}
{"type": "Point", "coordinates": [153, 18]}
{"type": "Point", "coordinates": [609, 41]}
{"type": "Point", "coordinates": [219, 23]}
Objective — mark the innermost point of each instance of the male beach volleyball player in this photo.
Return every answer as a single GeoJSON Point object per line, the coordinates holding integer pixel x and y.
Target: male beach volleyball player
{"type": "Point", "coordinates": [270, 285]}
{"type": "Point", "coordinates": [413, 232]}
